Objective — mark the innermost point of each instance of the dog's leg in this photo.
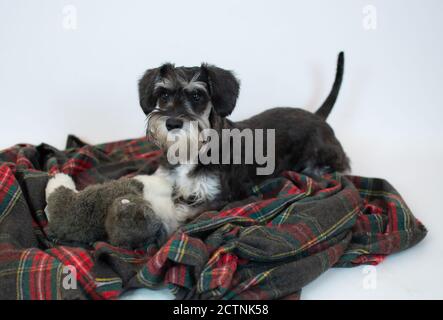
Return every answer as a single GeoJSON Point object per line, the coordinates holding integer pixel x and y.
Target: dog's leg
{"type": "Point", "coordinates": [157, 190]}
{"type": "Point", "coordinates": [315, 172]}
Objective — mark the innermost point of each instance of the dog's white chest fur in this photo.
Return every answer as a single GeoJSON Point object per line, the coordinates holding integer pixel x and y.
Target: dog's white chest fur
{"type": "Point", "coordinates": [199, 188]}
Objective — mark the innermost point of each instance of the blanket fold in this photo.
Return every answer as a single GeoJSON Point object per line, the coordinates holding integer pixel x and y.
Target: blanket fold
{"type": "Point", "coordinates": [269, 246]}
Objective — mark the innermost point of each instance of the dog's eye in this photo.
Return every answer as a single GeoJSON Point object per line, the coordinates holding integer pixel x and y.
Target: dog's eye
{"type": "Point", "coordinates": [196, 96]}
{"type": "Point", "coordinates": [164, 96]}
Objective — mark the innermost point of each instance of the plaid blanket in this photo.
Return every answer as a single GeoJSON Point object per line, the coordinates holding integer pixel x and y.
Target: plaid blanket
{"type": "Point", "coordinates": [289, 231]}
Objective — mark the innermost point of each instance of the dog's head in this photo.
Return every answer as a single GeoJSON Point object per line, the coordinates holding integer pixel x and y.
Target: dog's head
{"type": "Point", "coordinates": [173, 97]}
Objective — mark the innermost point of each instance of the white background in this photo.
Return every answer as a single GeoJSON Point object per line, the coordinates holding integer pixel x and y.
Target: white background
{"type": "Point", "coordinates": [55, 81]}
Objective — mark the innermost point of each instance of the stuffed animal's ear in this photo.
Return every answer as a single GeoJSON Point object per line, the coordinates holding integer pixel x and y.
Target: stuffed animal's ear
{"type": "Point", "coordinates": [223, 88]}
{"type": "Point", "coordinates": [146, 86]}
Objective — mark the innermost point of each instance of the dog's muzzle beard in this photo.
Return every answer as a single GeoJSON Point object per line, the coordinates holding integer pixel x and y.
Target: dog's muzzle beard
{"type": "Point", "coordinates": [184, 138]}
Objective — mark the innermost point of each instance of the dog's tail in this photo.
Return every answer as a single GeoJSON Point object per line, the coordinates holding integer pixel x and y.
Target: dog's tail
{"type": "Point", "coordinates": [326, 107]}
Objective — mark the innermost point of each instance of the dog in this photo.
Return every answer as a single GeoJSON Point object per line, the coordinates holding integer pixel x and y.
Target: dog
{"type": "Point", "coordinates": [173, 97]}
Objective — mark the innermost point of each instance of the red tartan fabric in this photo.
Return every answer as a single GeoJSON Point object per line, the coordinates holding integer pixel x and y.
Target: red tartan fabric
{"type": "Point", "coordinates": [288, 232]}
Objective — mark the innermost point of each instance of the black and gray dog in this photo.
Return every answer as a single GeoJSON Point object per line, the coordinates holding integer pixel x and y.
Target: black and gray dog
{"type": "Point", "coordinates": [172, 97]}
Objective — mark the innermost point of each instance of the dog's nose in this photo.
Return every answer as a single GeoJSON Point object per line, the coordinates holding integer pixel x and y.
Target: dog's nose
{"type": "Point", "coordinates": [174, 123]}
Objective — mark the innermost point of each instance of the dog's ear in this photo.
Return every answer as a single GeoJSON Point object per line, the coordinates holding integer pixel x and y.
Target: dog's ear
{"type": "Point", "coordinates": [146, 86]}
{"type": "Point", "coordinates": [223, 88]}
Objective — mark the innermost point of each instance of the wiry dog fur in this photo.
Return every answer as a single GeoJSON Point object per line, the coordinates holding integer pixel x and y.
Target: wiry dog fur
{"type": "Point", "coordinates": [172, 96]}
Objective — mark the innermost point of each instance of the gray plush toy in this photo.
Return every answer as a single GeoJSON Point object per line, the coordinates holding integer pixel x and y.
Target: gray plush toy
{"type": "Point", "coordinates": [116, 211]}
